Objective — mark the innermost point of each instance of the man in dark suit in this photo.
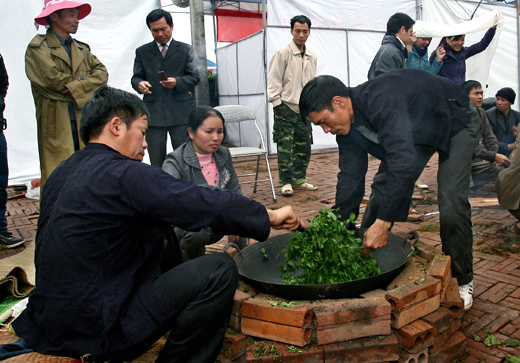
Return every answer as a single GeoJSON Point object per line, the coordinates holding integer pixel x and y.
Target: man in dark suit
{"type": "Point", "coordinates": [504, 120]}
{"type": "Point", "coordinates": [168, 100]}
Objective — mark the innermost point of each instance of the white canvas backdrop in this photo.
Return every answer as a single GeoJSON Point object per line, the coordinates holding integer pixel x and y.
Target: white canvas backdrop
{"type": "Point", "coordinates": [113, 33]}
{"type": "Point", "coordinates": [347, 54]}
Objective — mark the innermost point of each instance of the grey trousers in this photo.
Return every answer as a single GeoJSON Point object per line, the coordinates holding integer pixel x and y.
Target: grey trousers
{"type": "Point", "coordinates": [483, 172]}
{"type": "Point", "coordinates": [453, 178]}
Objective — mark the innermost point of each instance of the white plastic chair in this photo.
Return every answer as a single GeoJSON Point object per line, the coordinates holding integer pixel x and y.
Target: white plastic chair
{"type": "Point", "coordinates": [237, 114]}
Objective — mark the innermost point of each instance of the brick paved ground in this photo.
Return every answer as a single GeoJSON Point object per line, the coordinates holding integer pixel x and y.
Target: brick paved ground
{"type": "Point", "coordinates": [497, 261]}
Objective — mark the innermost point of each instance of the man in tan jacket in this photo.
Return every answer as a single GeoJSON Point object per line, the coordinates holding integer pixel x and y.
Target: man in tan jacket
{"type": "Point", "coordinates": [508, 185]}
{"type": "Point", "coordinates": [63, 74]}
{"type": "Point", "coordinates": [291, 67]}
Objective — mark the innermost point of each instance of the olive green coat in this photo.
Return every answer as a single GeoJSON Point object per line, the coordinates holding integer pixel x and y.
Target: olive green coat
{"type": "Point", "coordinates": [50, 70]}
{"type": "Point", "coordinates": [508, 182]}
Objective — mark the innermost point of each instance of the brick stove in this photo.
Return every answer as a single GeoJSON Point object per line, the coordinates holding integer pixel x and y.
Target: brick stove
{"type": "Point", "coordinates": [415, 322]}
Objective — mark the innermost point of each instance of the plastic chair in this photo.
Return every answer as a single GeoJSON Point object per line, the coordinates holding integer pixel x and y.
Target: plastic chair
{"type": "Point", "coordinates": [237, 114]}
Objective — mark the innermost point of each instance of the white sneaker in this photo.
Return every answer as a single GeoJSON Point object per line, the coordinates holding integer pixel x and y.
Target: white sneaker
{"type": "Point", "coordinates": [466, 293]}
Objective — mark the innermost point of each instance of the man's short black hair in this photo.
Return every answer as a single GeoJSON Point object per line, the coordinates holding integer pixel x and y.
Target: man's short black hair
{"type": "Point", "coordinates": [106, 103]}
{"type": "Point", "coordinates": [157, 14]}
{"type": "Point", "coordinates": [468, 86]}
{"type": "Point", "coordinates": [318, 93]}
{"type": "Point", "coordinates": [48, 18]}
{"type": "Point", "coordinates": [302, 19]}
{"type": "Point", "coordinates": [397, 21]}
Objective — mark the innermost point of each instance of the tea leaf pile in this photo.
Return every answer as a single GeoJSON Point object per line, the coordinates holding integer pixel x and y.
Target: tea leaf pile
{"type": "Point", "coordinates": [327, 252]}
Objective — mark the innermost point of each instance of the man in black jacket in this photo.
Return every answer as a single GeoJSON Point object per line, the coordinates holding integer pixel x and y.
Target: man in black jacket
{"type": "Point", "coordinates": [108, 285]}
{"type": "Point", "coordinates": [503, 120]}
{"type": "Point", "coordinates": [401, 117]}
{"type": "Point", "coordinates": [7, 240]}
{"type": "Point", "coordinates": [168, 98]}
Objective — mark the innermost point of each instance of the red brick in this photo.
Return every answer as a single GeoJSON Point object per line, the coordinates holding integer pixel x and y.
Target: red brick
{"type": "Point", "coordinates": [311, 354]}
{"type": "Point", "coordinates": [427, 252]}
{"type": "Point", "coordinates": [445, 286]}
{"type": "Point", "coordinates": [413, 293]}
{"type": "Point", "coordinates": [277, 332]}
{"type": "Point", "coordinates": [449, 352]}
{"type": "Point", "coordinates": [479, 324]}
{"type": "Point", "coordinates": [343, 311]}
{"type": "Point", "coordinates": [238, 299]}
{"type": "Point", "coordinates": [235, 345]}
{"type": "Point", "coordinates": [293, 315]}
{"type": "Point", "coordinates": [375, 349]}
{"type": "Point", "coordinates": [497, 324]}
{"type": "Point", "coordinates": [234, 322]}
{"type": "Point", "coordinates": [222, 359]}
{"type": "Point", "coordinates": [498, 292]}
{"type": "Point", "coordinates": [411, 313]}
{"type": "Point", "coordinates": [440, 268]}
{"type": "Point", "coordinates": [442, 338]}
{"type": "Point", "coordinates": [278, 352]}
{"type": "Point", "coordinates": [452, 301]}
{"type": "Point", "coordinates": [439, 320]}
{"type": "Point", "coordinates": [509, 329]}
{"type": "Point", "coordinates": [407, 357]}
{"type": "Point", "coordinates": [415, 336]}
{"type": "Point", "coordinates": [353, 330]}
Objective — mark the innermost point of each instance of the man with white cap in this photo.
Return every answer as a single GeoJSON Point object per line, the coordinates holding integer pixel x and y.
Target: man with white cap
{"type": "Point", "coordinates": [63, 74]}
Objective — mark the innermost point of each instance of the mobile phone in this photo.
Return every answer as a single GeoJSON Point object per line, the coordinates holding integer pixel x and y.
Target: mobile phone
{"type": "Point", "coordinates": [162, 75]}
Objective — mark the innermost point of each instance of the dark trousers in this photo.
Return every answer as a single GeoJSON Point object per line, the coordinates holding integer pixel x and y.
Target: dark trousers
{"type": "Point", "coordinates": [4, 174]}
{"type": "Point", "coordinates": [201, 291]}
{"type": "Point", "coordinates": [156, 138]}
{"type": "Point", "coordinates": [453, 178]}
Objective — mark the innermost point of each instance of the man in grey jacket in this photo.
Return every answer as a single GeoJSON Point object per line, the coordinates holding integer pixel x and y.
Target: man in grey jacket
{"type": "Point", "coordinates": [393, 53]}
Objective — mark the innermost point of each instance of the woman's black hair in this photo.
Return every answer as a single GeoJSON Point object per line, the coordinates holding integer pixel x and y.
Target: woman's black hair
{"type": "Point", "coordinates": [199, 114]}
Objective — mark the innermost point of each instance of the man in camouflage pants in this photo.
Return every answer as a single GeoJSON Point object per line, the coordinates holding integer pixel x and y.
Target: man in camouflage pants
{"type": "Point", "coordinates": [291, 67]}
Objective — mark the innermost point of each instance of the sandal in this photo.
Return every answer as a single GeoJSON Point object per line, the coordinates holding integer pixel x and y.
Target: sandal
{"type": "Point", "coordinates": [307, 186]}
{"type": "Point", "coordinates": [287, 190]}
{"type": "Point", "coordinates": [412, 212]}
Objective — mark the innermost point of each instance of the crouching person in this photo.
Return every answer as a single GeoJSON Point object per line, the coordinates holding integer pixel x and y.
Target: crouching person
{"type": "Point", "coordinates": [107, 284]}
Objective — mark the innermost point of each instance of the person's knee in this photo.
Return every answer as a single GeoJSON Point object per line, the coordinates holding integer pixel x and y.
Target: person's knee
{"type": "Point", "coordinates": [225, 271]}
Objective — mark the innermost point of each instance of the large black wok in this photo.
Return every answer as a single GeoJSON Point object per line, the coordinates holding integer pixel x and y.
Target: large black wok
{"type": "Point", "coordinates": [264, 273]}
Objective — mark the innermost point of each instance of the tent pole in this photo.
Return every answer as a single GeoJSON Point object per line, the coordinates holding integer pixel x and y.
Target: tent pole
{"type": "Point", "coordinates": [517, 2]}
{"type": "Point", "coordinates": [198, 40]}
{"type": "Point", "coordinates": [266, 116]}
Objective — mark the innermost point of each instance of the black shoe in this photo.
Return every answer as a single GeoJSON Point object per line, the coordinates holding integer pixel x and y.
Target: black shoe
{"type": "Point", "coordinates": [7, 240]}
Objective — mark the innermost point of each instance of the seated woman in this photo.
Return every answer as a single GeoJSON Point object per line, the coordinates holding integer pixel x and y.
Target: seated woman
{"type": "Point", "coordinates": [204, 162]}
{"type": "Point", "coordinates": [508, 185]}
{"type": "Point", "coordinates": [454, 63]}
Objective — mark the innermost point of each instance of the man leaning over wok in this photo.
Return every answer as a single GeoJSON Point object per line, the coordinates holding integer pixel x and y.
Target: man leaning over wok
{"type": "Point", "coordinates": [401, 117]}
{"type": "Point", "coordinates": [107, 284]}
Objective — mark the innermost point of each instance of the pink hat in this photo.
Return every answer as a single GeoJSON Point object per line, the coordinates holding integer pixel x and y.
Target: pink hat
{"type": "Point", "coordinates": [50, 6]}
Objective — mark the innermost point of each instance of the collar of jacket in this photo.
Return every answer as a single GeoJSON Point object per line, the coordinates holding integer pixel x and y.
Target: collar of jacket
{"type": "Point", "coordinates": [392, 39]}
{"type": "Point", "coordinates": [295, 50]}
{"type": "Point", "coordinates": [192, 160]}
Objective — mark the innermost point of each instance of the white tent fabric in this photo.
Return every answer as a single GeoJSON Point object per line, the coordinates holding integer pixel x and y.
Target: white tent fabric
{"type": "Point", "coordinates": [346, 37]}
{"type": "Point", "coordinates": [113, 33]}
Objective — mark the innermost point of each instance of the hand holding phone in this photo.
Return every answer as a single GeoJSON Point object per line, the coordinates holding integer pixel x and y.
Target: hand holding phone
{"type": "Point", "coordinates": [162, 75]}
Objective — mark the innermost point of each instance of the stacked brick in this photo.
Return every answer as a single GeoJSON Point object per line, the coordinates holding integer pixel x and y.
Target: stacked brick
{"type": "Point", "coordinates": [417, 322]}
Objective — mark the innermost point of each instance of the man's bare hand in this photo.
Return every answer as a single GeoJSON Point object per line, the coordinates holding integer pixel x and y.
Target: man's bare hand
{"type": "Point", "coordinates": [67, 92]}
{"type": "Point", "coordinates": [169, 83]}
{"type": "Point", "coordinates": [440, 53]}
{"type": "Point", "coordinates": [144, 87]}
{"type": "Point", "coordinates": [285, 218]}
{"type": "Point", "coordinates": [502, 160]}
{"type": "Point", "coordinates": [515, 131]}
{"type": "Point", "coordinates": [377, 235]}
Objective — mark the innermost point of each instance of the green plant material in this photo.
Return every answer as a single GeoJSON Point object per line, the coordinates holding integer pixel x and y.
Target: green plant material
{"type": "Point", "coordinates": [231, 331]}
{"type": "Point", "coordinates": [265, 254]}
{"type": "Point", "coordinates": [284, 304]}
{"type": "Point", "coordinates": [293, 349]}
{"type": "Point", "coordinates": [511, 343]}
{"type": "Point", "coordinates": [441, 259]}
{"type": "Point", "coordinates": [512, 358]}
{"type": "Point", "coordinates": [263, 351]}
{"type": "Point", "coordinates": [487, 330]}
{"type": "Point", "coordinates": [432, 227]}
{"type": "Point", "coordinates": [476, 337]}
{"type": "Point", "coordinates": [327, 252]}
{"type": "Point", "coordinates": [492, 340]}
{"type": "Point", "coordinates": [422, 279]}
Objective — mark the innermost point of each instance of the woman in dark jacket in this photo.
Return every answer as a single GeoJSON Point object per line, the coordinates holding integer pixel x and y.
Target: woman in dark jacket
{"type": "Point", "coordinates": [454, 63]}
{"type": "Point", "coordinates": [204, 162]}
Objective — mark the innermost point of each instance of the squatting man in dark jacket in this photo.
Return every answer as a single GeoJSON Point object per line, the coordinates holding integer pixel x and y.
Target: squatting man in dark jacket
{"type": "Point", "coordinates": [401, 117]}
{"type": "Point", "coordinates": [107, 285]}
